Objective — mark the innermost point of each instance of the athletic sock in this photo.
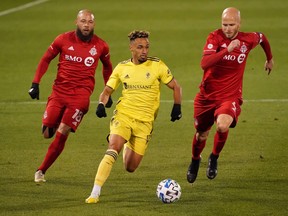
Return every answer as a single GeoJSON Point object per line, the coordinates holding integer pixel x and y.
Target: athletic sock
{"type": "Point", "coordinates": [105, 167]}
{"type": "Point", "coordinates": [95, 191]}
{"type": "Point", "coordinates": [54, 150]}
{"type": "Point", "coordinates": [197, 148]}
{"type": "Point", "coordinates": [219, 142]}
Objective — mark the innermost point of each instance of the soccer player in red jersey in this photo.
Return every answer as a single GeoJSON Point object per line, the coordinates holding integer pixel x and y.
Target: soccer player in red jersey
{"type": "Point", "coordinates": [220, 96]}
{"type": "Point", "coordinates": [79, 52]}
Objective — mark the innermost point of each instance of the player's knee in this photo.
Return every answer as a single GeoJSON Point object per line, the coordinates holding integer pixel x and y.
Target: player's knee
{"type": "Point", "coordinates": [202, 136]}
{"type": "Point", "coordinates": [223, 123]}
{"type": "Point", "coordinates": [222, 128]}
{"type": "Point", "coordinates": [64, 129]}
{"type": "Point", "coordinates": [48, 132]}
{"type": "Point", "coordinates": [130, 169]}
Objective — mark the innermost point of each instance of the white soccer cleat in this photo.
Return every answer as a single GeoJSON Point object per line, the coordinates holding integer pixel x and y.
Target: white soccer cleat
{"type": "Point", "coordinates": [39, 177]}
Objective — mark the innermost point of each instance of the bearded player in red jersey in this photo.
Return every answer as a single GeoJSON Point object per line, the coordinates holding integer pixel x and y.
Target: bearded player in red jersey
{"type": "Point", "coordinates": [220, 97]}
{"type": "Point", "coordinates": [79, 52]}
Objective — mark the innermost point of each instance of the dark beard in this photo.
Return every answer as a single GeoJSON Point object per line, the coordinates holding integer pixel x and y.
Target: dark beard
{"type": "Point", "coordinates": [85, 38]}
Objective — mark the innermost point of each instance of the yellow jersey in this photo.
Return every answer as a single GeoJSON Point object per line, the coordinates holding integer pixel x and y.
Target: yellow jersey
{"type": "Point", "coordinates": [141, 87]}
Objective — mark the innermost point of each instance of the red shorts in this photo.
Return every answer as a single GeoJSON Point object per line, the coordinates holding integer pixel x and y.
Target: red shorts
{"type": "Point", "coordinates": [206, 111]}
{"type": "Point", "coordinates": [68, 109]}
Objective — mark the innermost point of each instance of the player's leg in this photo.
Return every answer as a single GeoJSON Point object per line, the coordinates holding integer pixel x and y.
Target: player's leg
{"type": "Point", "coordinates": [116, 143]}
{"type": "Point", "coordinates": [223, 123]}
{"type": "Point", "coordinates": [52, 116]}
{"type": "Point", "coordinates": [132, 159]}
{"type": "Point", "coordinates": [222, 129]}
{"type": "Point", "coordinates": [203, 120]}
{"type": "Point", "coordinates": [50, 122]}
{"type": "Point", "coordinates": [198, 144]}
{"type": "Point", "coordinates": [120, 132]}
{"type": "Point", "coordinates": [70, 120]}
{"type": "Point", "coordinates": [55, 148]}
{"type": "Point", "coordinates": [226, 116]}
{"type": "Point", "coordinates": [137, 145]}
{"type": "Point", "coordinates": [48, 132]}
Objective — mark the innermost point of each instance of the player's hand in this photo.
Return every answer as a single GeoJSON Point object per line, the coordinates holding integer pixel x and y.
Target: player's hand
{"type": "Point", "coordinates": [34, 91]}
{"type": "Point", "coordinates": [109, 102]}
{"type": "Point", "coordinates": [176, 112]}
{"type": "Point", "coordinates": [100, 111]}
{"type": "Point", "coordinates": [233, 44]}
{"type": "Point", "coordinates": [268, 66]}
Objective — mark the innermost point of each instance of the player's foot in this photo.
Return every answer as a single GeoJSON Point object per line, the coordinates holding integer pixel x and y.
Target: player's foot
{"type": "Point", "coordinates": [193, 170]}
{"type": "Point", "coordinates": [212, 166]}
{"type": "Point", "coordinates": [39, 176]}
{"type": "Point", "coordinates": [90, 200]}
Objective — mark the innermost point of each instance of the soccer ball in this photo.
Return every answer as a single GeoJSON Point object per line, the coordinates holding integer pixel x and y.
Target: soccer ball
{"type": "Point", "coordinates": [168, 191]}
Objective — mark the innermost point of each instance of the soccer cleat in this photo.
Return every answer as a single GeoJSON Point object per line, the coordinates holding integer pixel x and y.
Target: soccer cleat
{"type": "Point", "coordinates": [193, 170]}
{"type": "Point", "coordinates": [90, 200]}
{"type": "Point", "coordinates": [212, 166]}
{"type": "Point", "coordinates": [39, 176]}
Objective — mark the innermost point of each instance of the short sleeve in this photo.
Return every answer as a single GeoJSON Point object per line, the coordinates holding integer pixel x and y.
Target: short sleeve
{"type": "Point", "coordinates": [114, 79]}
{"type": "Point", "coordinates": [165, 73]}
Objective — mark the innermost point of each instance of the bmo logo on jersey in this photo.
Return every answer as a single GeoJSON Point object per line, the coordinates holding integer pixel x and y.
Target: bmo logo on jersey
{"type": "Point", "coordinates": [87, 61]}
{"type": "Point", "coordinates": [240, 58]}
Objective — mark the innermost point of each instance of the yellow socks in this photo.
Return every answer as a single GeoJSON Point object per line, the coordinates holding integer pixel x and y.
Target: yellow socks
{"type": "Point", "coordinates": [105, 167]}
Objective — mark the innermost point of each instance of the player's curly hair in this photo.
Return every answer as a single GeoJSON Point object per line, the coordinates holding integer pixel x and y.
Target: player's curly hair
{"type": "Point", "coordinates": [138, 34]}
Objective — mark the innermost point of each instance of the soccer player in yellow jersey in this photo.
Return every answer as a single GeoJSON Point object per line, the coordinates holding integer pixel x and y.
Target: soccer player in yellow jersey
{"type": "Point", "coordinates": [132, 123]}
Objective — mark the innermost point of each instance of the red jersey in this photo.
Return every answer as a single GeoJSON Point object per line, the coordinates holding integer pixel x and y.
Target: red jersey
{"type": "Point", "coordinates": [223, 80]}
{"type": "Point", "coordinates": [78, 61]}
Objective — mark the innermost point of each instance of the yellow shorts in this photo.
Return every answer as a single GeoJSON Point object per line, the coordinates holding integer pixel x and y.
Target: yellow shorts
{"type": "Point", "coordinates": [137, 133]}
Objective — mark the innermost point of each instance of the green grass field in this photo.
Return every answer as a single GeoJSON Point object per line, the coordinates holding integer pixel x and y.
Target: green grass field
{"type": "Point", "coordinates": [252, 174]}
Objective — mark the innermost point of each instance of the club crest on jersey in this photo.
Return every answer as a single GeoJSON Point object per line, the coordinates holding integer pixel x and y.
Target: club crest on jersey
{"type": "Point", "coordinates": [243, 48]}
{"type": "Point", "coordinates": [147, 75]}
{"type": "Point", "coordinates": [93, 51]}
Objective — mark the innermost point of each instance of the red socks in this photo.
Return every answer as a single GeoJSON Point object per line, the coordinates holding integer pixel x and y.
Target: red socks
{"type": "Point", "coordinates": [54, 150]}
{"type": "Point", "coordinates": [197, 148]}
{"type": "Point", "coordinates": [219, 142]}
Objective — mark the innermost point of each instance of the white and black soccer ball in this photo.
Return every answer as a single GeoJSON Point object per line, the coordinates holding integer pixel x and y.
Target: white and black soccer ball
{"type": "Point", "coordinates": [168, 191]}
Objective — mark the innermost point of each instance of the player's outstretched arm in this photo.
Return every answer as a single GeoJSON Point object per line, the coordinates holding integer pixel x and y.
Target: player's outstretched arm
{"type": "Point", "coordinates": [41, 70]}
{"type": "Point", "coordinates": [269, 63]}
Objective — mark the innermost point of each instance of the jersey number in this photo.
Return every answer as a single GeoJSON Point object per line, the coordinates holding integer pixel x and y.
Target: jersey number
{"type": "Point", "coordinates": [234, 106]}
{"type": "Point", "coordinates": [77, 115]}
